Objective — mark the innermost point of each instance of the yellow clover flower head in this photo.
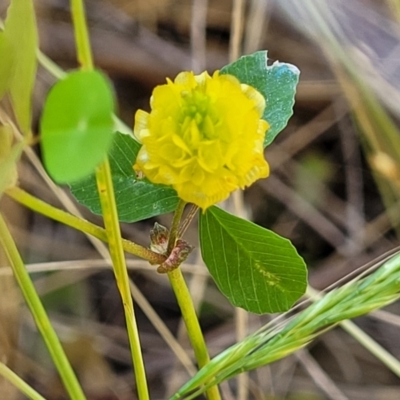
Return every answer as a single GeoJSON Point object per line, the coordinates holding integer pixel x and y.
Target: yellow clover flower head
{"type": "Point", "coordinates": [204, 137]}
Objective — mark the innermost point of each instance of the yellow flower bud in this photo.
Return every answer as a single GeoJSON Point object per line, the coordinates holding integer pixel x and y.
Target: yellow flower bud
{"type": "Point", "coordinates": [204, 137]}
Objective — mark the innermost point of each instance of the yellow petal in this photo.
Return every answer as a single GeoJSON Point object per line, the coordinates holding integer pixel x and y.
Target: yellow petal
{"type": "Point", "coordinates": [209, 156]}
{"type": "Point", "coordinates": [185, 79]}
{"type": "Point", "coordinates": [256, 96]}
{"type": "Point", "coordinates": [178, 141]}
{"type": "Point", "coordinates": [141, 121]}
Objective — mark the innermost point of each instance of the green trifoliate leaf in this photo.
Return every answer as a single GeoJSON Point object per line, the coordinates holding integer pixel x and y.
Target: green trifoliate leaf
{"type": "Point", "coordinates": [276, 82]}
{"type": "Point", "coordinates": [77, 125]}
{"type": "Point", "coordinates": [253, 267]}
{"type": "Point", "coordinates": [21, 33]}
{"type": "Point", "coordinates": [137, 199]}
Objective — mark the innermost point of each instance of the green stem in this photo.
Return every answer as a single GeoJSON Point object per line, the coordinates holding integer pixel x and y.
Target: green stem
{"type": "Point", "coordinates": [110, 215]}
{"type": "Point", "coordinates": [186, 304]}
{"type": "Point", "coordinates": [192, 324]}
{"type": "Point", "coordinates": [373, 347]}
{"type": "Point", "coordinates": [39, 314]}
{"type": "Point", "coordinates": [189, 316]}
{"type": "Point", "coordinates": [109, 210]}
{"type": "Point", "coordinates": [173, 233]}
{"type": "Point", "coordinates": [50, 66]}
{"type": "Point", "coordinates": [80, 224]}
{"type": "Point", "coordinates": [20, 384]}
{"type": "Point", "coordinates": [81, 35]}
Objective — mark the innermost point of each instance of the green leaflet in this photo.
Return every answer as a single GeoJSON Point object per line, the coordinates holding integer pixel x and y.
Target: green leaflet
{"type": "Point", "coordinates": [253, 267]}
{"type": "Point", "coordinates": [77, 125]}
{"type": "Point", "coordinates": [276, 82]}
{"type": "Point", "coordinates": [136, 199]}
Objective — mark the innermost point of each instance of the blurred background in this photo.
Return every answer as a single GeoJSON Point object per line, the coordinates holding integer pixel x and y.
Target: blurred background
{"type": "Point", "coordinates": [334, 191]}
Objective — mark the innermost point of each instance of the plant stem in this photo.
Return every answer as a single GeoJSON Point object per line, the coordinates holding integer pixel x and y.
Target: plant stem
{"type": "Point", "coordinates": [80, 224]}
{"type": "Point", "coordinates": [50, 66]}
{"type": "Point", "coordinates": [372, 346]}
{"type": "Point", "coordinates": [39, 314]}
{"type": "Point", "coordinates": [173, 233]}
{"type": "Point", "coordinates": [81, 35]}
{"type": "Point", "coordinates": [186, 304]}
{"type": "Point", "coordinates": [20, 384]}
{"type": "Point", "coordinates": [192, 324]}
{"type": "Point", "coordinates": [189, 316]}
{"type": "Point", "coordinates": [110, 215]}
{"type": "Point", "coordinates": [188, 219]}
{"type": "Point", "coordinates": [109, 209]}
